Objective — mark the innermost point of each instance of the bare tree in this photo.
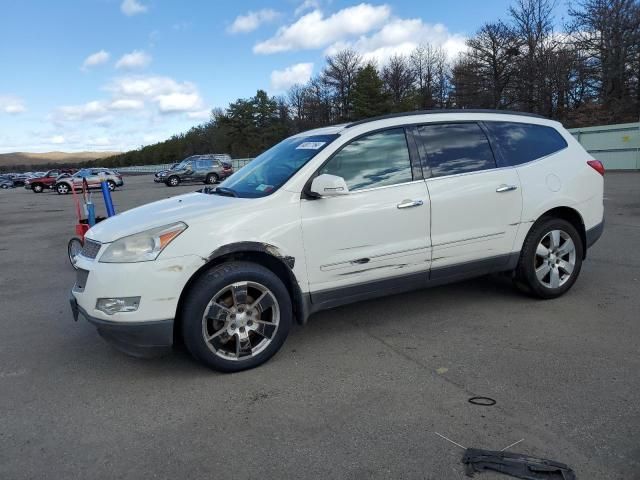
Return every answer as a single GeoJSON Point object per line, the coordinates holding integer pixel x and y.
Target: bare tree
{"type": "Point", "coordinates": [609, 31]}
{"type": "Point", "coordinates": [533, 23]}
{"type": "Point", "coordinates": [429, 65]}
{"type": "Point", "coordinates": [340, 74]}
{"type": "Point", "coordinates": [493, 52]}
{"type": "Point", "coordinates": [398, 77]}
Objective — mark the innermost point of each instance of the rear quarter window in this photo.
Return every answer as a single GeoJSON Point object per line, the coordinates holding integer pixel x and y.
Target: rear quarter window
{"type": "Point", "coordinates": [523, 142]}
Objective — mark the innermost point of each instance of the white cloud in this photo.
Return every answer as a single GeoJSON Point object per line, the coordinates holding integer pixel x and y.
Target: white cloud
{"type": "Point", "coordinates": [283, 79]}
{"type": "Point", "coordinates": [12, 105]}
{"type": "Point", "coordinates": [252, 20]}
{"type": "Point", "coordinates": [402, 36]}
{"type": "Point", "coordinates": [95, 59]}
{"type": "Point", "coordinates": [135, 93]}
{"type": "Point", "coordinates": [148, 86]}
{"type": "Point", "coordinates": [307, 5]}
{"type": "Point", "coordinates": [93, 109]}
{"type": "Point", "coordinates": [178, 102]}
{"type": "Point", "coordinates": [132, 7]}
{"type": "Point", "coordinates": [135, 59]}
{"type": "Point", "coordinates": [57, 140]}
{"type": "Point", "coordinates": [126, 104]}
{"type": "Point", "coordinates": [314, 30]}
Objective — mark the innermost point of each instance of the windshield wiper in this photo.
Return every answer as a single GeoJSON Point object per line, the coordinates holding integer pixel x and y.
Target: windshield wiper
{"type": "Point", "coordinates": [225, 191]}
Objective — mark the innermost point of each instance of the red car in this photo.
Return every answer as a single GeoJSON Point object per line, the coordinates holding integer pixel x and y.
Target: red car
{"type": "Point", "coordinates": [48, 180]}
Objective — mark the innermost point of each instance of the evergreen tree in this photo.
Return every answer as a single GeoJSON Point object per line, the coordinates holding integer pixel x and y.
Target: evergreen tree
{"type": "Point", "coordinates": [369, 99]}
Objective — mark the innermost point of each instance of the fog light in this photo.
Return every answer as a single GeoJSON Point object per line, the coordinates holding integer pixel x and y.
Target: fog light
{"type": "Point", "coordinates": [115, 305]}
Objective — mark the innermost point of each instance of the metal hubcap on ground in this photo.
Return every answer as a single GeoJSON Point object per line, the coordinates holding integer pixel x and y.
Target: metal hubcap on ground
{"type": "Point", "coordinates": [555, 259]}
{"type": "Point", "coordinates": [240, 321]}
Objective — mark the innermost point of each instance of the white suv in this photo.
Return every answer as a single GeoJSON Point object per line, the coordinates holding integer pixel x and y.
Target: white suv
{"type": "Point", "coordinates": [337, 215]}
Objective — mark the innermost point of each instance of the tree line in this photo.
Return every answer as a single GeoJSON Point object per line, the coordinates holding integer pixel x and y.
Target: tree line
{"type": "Point", "coordinates": [586, 74]}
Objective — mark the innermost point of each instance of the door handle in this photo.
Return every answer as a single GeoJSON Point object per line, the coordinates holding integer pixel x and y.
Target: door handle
{"type": "Point", "coordinates": [410, 203]}
{"type": "Point", "coordinates": [506, 188]}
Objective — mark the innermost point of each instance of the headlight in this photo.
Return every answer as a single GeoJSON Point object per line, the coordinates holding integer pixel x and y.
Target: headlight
{"type": "Point", "coordinates": [143, 246]}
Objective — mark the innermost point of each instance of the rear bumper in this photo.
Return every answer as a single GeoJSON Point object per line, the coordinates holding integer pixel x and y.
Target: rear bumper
{"type": "Point", "coordinates": [594, 233]}
{"type": "Point", "coordinates": [139, 339]}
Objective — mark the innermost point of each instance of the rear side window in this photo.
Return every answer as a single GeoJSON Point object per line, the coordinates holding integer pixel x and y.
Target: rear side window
{"type": "Point", "coordinates": [375, 160]}
{"type": "Point", "coordinates": [453, 148]}
{"type": "Point", "coordinates": [524, 142]}
{"type": "Point", "coordinates": [203, 164]}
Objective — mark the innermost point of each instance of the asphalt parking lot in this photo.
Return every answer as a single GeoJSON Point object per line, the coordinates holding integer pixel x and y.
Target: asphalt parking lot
{"type": "Point", "coordinates": [357, 393]}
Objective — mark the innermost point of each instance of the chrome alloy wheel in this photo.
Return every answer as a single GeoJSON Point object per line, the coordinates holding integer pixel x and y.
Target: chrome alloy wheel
{"type": "Point", "coordinates": [555, 259]}
{"type": "Point", "coordinates": [240, 321]}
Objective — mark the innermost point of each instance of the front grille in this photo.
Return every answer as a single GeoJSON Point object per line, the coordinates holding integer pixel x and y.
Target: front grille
{"type": "Point", "coordinates": [81, 280]}
{"type": "Point", "coordinates": [90, 248]}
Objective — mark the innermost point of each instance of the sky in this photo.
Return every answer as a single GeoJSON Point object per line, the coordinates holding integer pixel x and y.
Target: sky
{"type": "Point", "coordinates": [118, 74]}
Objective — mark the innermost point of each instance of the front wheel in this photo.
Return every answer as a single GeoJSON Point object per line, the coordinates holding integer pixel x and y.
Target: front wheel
{"type": "Point", "coordinates": [37, 188]}
{"type": "Point", "coordinates": [173, 181]}
{"type": "Point", "coordinates": [236, 316]}
{"type": "Point", "coordinates": [551, 258]}
{"type": "Point", "coordinates": [74, 247]}
{"type": "Point", "coordinates": [111, 185]}
{"type": "Point", "coordinates": [62, 189]}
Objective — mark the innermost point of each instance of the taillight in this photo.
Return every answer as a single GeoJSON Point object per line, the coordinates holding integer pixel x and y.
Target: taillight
{"type": "Point", "coordinates": [597, 166]}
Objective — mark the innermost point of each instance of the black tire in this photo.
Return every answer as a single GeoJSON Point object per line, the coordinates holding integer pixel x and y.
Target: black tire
{"type": "Point", "coordinates": [203, 291]}
{"type": "Point", "coordinates": [526, 278]}
{"type": "Point", "coordinates": [63, 189]}
{"type": "Point", "coordinates": [73, 249]}
{"type": "Point", "coordinates": [212, 178]}
{"type": "Point", "coordinates": [111, 184]}
{"type": "Point", "coordinates": [172, 181]}
{"type": "Point", "coordinates": [37, 188]}
{"type": "Point", "coordinates": [4, 187]}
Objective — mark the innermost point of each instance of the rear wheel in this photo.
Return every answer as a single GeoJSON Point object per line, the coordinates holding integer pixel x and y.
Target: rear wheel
{"type": "Point", "coordinates": [74, 247]}
{"type": "Point", "coordinates": [62, 189]}
{"type": "Point", "coordinates": [173, 181]}
{"type": "Point", "coordinates": [236, 316]}
{"type": "Point", "coordinates": [551, 258]}
{"type": "Point", "coordinates": [212, 178]}
{"type": "Point", "coordinates": [37, 188]}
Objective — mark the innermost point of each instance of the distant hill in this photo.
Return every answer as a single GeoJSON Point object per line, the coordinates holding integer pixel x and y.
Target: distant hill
{"type": "Point", "coordinates": [47, 158]}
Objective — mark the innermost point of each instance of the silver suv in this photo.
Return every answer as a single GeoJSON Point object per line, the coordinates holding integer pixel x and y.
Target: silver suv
{"type": "Point", "coordinates": [197, 168]}
{"type": "Point", "coordinates": [93, 176]}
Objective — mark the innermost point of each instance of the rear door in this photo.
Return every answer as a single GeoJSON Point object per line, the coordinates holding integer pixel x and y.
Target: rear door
{"type": "Point", "coordinates": [475, 206]}
{"type": "Point", "coordinates": [378, 233]}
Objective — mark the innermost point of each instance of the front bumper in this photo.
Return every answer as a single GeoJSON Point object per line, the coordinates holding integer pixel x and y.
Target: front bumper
{"type": "Point", "coordinates": [159, 179]}
{"type": "Point", "coordinates": [139, 339]}
{"type": "Point", "coordinates": [158, 284]}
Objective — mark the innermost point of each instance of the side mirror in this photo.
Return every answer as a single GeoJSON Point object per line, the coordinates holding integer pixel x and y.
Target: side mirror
{"type": "Point", "coordinates": [326, 185]}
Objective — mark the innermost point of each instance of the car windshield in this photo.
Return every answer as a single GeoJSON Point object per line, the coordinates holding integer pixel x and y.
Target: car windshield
{"type": "Point", "coordinates": [271, 169]}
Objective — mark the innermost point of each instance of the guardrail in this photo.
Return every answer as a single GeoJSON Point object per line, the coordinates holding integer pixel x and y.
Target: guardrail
{"type": "Point", "coordinates": [237, 163]}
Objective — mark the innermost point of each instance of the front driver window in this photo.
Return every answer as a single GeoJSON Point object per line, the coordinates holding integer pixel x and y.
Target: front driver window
{"type": "Point", "coordinates": [374, 160]}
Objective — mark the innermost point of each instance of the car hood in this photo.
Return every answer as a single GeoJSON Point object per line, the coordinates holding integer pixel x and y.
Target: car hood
{"type": "Point", "coordinates": [182, 208]}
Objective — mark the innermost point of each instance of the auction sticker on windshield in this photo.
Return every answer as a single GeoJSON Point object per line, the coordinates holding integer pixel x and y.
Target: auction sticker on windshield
{"type": "Point", "coordinates": [310, 145]}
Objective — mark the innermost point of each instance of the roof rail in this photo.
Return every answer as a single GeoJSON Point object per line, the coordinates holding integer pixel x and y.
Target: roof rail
{"type": "Point", "coordinates": [443, 110]}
